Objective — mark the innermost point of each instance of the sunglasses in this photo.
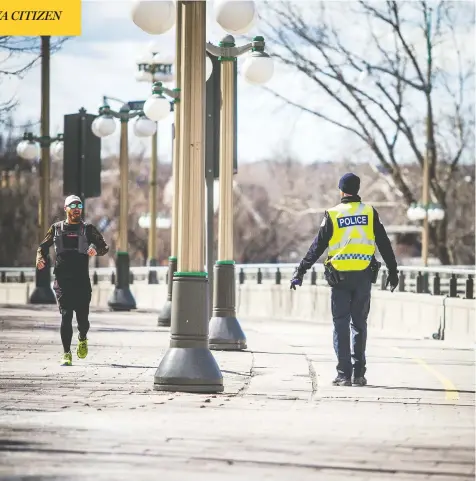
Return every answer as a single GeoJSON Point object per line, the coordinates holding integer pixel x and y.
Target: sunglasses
{"type": "Point", "coordinates": [75, 206]}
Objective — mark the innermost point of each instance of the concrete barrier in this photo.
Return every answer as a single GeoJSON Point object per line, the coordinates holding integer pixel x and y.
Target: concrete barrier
{"type": "Point", "coordinates": [404, 314]}
{"type": "Point", "coordinates": [460, 320]}
{"type": "Point", "coordinates": [415, 315]}
{"type": "Point", "coordinates": [15, 293]}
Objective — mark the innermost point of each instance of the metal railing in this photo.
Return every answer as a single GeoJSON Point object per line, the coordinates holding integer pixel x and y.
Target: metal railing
{"type": "Point", "coordinates": [445, 280]}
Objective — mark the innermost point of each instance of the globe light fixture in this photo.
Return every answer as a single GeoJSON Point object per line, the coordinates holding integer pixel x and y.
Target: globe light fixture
{"type": "Point", "coordinates": [57, 150]}
{"type": "Point", "coordinates": [154, 17]}
{"type": "Point", "coordinates": [157, 107]}
{"type": "Point", "coordinates": [258, 68]}
{"type": "Point", "coordinates": [160, 222]}
{"type": "Point", "coordinates": [104, 125]}
{"type": "Point", "coordinates": [417, 212]}
{"type": "Point", "coordinates": [28, 150]}
{"type": "Point", "coordinates": [235, 16]}
{"type": "Point", "coordinates": [208, 67]}
{"type": "Point", "coordinates": [19, 149]}
{"type": "Point", "coordinates": [144, 127]}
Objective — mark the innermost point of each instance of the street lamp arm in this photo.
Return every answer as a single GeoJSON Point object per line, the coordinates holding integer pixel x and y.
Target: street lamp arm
{"type": "Point", "coordinates": [106, 98]}
{"type": "Point", "coordinates": [123, 114]}
{"type": "Point", "coordinates": [174, 93]}
{"type": "Point", "coordinates": [229, 52]}
{"type": "Point", "coordinates": [45, 141]}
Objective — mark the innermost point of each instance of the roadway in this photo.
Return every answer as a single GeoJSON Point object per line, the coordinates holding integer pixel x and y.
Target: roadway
{"type": "Point", "coordinates": [279, 417]}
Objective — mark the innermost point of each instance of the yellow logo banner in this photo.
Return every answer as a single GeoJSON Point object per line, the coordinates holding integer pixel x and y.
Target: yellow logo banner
{"type": "Point", "coordinates": [58, 18]}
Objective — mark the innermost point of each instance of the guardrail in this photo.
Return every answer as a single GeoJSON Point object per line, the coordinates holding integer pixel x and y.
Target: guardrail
{"type": "Point", "coordinates": [453, 282]}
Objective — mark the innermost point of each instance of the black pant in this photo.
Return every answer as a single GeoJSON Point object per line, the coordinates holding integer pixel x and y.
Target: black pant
{"type": "Point", "coordinates": [350, 309]}
{"type": "Point", "coordinates": [73, 295]}
{"type": "Point", "coordinates": [67, 325]}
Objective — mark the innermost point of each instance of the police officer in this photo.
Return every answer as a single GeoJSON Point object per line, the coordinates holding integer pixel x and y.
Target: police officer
{"type": "Point", "coordinates": [74, 242]}
{"type": "Point", "coordinates": [350, 231]}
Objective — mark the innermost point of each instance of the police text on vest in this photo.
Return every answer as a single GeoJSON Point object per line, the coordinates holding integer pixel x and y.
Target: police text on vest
{"type": "Point", "coordinates": [352, 220]}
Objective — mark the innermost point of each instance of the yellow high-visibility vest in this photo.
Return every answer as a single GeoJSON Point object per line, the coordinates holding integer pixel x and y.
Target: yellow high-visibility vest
{"type": "Point", "coordinates": [352, 244]}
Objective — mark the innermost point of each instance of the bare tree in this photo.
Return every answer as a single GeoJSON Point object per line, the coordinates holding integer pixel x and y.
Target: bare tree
{"type": "Point", "coordinates": [378, 85]}
{"type": "Point", "coordinates": [18, 55]}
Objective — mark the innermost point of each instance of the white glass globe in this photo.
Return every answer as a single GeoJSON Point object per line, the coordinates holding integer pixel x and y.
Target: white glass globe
{"type": "Point", "coordinates": [57, 150]}
{"type": "Point", "coordinates": [431, 217]}
{"type": "Point", "coordinates": [144, 127]}
{"type": "Point", "coordinates": [143, 76]}
{"type": "Point", "coordinates": [436, 213]}
{"type": "Point", "coordinates": [29, 150]}
{"type": "Point", "coordinates": [420, 213]}
{"type": "Point", "coordinates": [208, 67]}
{"type": "Point", "coordinates": [154, 16]}
{"type": "Point", "coordinates": [103, 126]}
{"type": "Point", "coordinates": [156, 108]}
{"type": "Point", "coordinates": [20, 147]}
{"type": "Point", "coordinates": [411, 213]}
{"type": "Point", "coordinates": [235, 16]}
{"type": "Point", "coordinates": [258, 68]}
{"type": "Point", "coordinates": [94, 129]}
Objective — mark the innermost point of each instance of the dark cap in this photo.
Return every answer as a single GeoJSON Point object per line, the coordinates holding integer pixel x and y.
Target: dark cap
{"type": "Point", "coordinates": [349, 184]}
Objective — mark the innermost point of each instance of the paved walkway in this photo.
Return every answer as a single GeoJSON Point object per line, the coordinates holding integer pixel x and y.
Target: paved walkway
{"type": "Point", "coordinates": [279, 418]}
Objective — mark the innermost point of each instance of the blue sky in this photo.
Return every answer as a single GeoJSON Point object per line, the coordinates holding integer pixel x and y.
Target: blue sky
{"type": "Point", "coordinates": [102, 62]}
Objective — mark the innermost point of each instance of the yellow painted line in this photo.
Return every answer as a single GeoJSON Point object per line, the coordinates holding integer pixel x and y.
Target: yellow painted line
{"type": "Point", "coordinates": [451, 393]}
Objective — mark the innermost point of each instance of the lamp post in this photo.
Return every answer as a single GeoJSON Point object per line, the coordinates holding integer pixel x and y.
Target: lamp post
{"type": "Point", "coordinates": [103, 126]}
{"type": "Point", "coordinates": [188, 365]}
{"type": "Point", "coordinates": [428, 213]}
{"type": "Point", "coordinates": [42, 294]}
{"type": "Point", "coordinates": [29, 149]}
{"type": "Point", "coordinates": [150, 109]}
{"type": "Point", "coordinates": [429, 160]}
{"type": "Point", "coordinates": [152, 66]}
{"type": "Point", "coordinates": [225, 330]}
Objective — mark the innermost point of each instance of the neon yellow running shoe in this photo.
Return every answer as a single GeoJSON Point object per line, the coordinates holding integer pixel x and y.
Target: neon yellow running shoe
{"type": "Point", "coordinates": [82, 349]}
{"type": "Point", "coordinates": [67, 359]}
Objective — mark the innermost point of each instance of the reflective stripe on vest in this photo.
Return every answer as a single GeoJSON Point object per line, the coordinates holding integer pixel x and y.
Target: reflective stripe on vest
{"type": "Point", "coordinates": [352, 244]}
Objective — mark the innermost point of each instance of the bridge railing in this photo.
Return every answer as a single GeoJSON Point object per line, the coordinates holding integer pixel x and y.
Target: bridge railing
{"type": "Point", "coordinates": [444, 280]}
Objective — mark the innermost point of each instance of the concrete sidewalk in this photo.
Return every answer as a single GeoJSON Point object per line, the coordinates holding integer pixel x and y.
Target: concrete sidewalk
{"type": "Point", "coordinates": [278, 418]}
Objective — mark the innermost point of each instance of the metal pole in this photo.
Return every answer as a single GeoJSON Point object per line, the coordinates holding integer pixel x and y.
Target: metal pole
{"type": "Point", "coordinates": [124, 179]}
{"type": "Point", "coordinates": [153, 208]}
{"type": "Point", "coordinates": [45, 135]}
{"type": "Point", "coordinates": [122, 298]}
{"type": "Point", "coordinates": [189, 365]}
{"type": "Point", "coordinates": [429, 151]}
{"type": "Point", "coordinates": [166, 312]}
{"type": "Point", "coordinates": [82, 166]}
{"type": "Point", "coordinates": [426, 199]}
{"type": "Point", "coordinates": [210, 235]}
{"type": "Point", "coordinates": [225, 330]}
{"type": "Point", "coordinates": [43, 294]}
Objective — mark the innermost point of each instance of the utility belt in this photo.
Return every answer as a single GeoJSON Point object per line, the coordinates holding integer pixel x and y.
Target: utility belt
{"type": "Point", "coordinates": [334, 277]}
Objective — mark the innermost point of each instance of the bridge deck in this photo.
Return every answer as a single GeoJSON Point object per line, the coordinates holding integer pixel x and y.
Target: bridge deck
{"type": "Point", "coordinates": [279, 418]}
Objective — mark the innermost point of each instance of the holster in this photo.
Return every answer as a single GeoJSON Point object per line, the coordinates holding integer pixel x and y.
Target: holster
{"type": "Point", "coordinates": [374, 267]}
{"type": "Point", "coordinates": [332, 275]}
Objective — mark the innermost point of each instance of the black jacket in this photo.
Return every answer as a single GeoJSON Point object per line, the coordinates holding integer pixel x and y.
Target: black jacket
{"type": "Point", "coordinates": [72, 264]}
{"type": "Point", "coordinates": [321, 242]}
